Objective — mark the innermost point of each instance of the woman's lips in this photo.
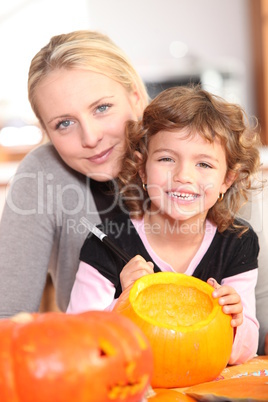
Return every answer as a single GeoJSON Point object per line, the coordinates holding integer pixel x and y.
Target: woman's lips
{"type": "Point", "coordinates": [101, 157]}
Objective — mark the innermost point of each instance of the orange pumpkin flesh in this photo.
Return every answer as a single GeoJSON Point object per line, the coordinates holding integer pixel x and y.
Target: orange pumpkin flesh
{"type": "Point", "coordinates": [168, 395]}
{"type": "Point", "coordinates": [247, 388]}
{"type": "Point", "coordinates": [190, 336]}
{"type": "Point", "coordinates": [94, 356]}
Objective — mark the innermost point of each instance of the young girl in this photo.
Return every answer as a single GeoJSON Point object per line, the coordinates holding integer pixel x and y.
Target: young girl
{"type": "Point", "coordinates": [189, 163]}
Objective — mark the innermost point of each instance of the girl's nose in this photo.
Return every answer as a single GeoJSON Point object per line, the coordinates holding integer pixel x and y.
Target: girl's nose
{"type": "Point", "coordinates": [90, 135]}
{"type": "Point", "coordinates": [183, 173]}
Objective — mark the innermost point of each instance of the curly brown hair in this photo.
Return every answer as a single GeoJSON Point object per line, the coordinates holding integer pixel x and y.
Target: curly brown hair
{"type": "Point", "coordinates": [212, 117]}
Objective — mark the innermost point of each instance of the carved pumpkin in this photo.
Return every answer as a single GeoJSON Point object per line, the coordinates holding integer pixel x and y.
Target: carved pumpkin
{"type": "Point", "coordinates": [190, 335]}
{"type": "Point", "coordinates": [96, 356]}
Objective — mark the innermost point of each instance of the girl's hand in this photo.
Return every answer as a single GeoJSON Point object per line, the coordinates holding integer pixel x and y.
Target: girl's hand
{"type": "Point", "coordinates": [230, 300]}
{"type": "Point", "coordinates": [135, 269]}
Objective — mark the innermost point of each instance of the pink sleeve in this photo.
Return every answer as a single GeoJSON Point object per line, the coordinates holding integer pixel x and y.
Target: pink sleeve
{"type": "Point", "coordinates": [91, 291]}
{"type": "Point", "coordinates": [247, 335]}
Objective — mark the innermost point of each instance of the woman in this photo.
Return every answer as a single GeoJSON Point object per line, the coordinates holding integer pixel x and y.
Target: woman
{"type": "Point", "coordinates": [82, 89]}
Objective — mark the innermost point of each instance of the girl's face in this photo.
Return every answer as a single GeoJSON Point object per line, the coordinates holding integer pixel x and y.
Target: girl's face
{"type": "Point", "coordinates": [84, 115]}
{"type": "Point", "coordinates": [184, 176]}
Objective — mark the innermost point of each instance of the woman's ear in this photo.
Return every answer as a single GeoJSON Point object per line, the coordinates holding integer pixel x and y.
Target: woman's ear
{"type": "Point", "coordinates": [138, 157]}
{"type": "Point", "coordinates": [137, 103]}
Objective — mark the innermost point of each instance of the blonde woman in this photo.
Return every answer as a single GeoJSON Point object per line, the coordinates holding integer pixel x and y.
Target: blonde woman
{"type": "Point", "coordinates": [83, 89]}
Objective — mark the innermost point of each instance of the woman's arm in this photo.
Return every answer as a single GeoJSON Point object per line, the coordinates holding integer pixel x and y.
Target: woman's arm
{"type": "Point", "coordinates": [26, 239]}
{"type": "Point", "coordinates": [41, 231]}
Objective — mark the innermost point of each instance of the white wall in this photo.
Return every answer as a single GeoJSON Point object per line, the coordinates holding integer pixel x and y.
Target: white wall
{"type": "Point", "coordinates": [25, 27]}
{"type": "Point", "coordinates": [216, 32]}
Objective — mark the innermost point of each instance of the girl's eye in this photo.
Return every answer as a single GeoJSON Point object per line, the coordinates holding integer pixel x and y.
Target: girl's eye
{"type": "Point", "coordinates": [103, 108]}
{"type": "Point", "coordinates": [63, 124]}
{"type": "Point", "coordinates": [204, 165]}
{"type": "Point", "coordinates": [166, 159]}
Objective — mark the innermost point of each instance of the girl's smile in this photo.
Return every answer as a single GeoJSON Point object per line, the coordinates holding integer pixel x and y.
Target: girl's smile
{"type": "Point", "coordinates": [182, 196]}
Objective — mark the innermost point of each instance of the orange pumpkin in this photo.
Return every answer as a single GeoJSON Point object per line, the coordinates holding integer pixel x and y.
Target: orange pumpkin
{"type": "Point", "coordinates": [168, 395]}
{"type": "Point", "coordinates": [96, 356]}
{"type": "Point", "coordinates": [190, 335]}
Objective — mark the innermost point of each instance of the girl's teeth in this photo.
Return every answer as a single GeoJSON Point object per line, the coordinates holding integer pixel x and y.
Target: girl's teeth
{"type": "Point", "coordinates": [183, 196]}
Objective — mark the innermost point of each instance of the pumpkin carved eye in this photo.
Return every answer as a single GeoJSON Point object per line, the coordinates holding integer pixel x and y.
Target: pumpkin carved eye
{"type": "Point", "coordinates": [191, 337]}
{"type": "Point", "coordinates": [102, 352]}
{"type": "Point", "coordinates": [106, 348]}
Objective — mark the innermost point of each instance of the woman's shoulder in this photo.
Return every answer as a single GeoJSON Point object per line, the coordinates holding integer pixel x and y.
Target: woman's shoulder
{"type": "Point", "coordinates": [44, 155]}
{"type": "Point", "coordinates": [45, 160]}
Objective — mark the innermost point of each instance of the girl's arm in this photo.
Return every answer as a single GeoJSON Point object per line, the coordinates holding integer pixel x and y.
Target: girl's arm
{"type": "Point", "coordinates": [91, 291]}
{"type": "Point", "coordinates": [237, 296]}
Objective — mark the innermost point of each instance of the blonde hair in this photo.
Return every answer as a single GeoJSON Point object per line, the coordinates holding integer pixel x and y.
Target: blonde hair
{"type": "Point", "coordinates": [88, 50]}
{"type": "Point", "coordinates": [210, 116]}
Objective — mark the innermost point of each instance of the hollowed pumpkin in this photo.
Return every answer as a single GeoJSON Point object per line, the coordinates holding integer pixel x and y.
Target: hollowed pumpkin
{"type": "Point", "coordinates": [190, 335]}
{"type": "Point", "coordinates": [90, 357]}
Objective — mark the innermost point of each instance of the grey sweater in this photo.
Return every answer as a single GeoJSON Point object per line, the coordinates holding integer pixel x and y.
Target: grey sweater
{"type": "Point", "coordinates": [40, 231]}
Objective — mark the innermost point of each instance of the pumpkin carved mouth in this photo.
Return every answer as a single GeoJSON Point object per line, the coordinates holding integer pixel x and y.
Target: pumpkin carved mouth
{"type": "Point", "coordinates": [123, 392]}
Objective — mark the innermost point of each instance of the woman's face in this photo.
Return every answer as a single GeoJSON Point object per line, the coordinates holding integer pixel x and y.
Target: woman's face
{"type": "Point", "coordinates": [84, 115]}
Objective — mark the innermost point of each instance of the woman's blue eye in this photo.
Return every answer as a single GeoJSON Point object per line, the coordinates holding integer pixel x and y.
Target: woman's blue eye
{"type": "Point", "coordinates": [103, 108]}
{"type": "Point", "coordinates": [63, 124]}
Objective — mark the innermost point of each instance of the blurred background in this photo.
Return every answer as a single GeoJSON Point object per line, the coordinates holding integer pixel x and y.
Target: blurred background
{"type": "Point", "coordinates": [221, 44]}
